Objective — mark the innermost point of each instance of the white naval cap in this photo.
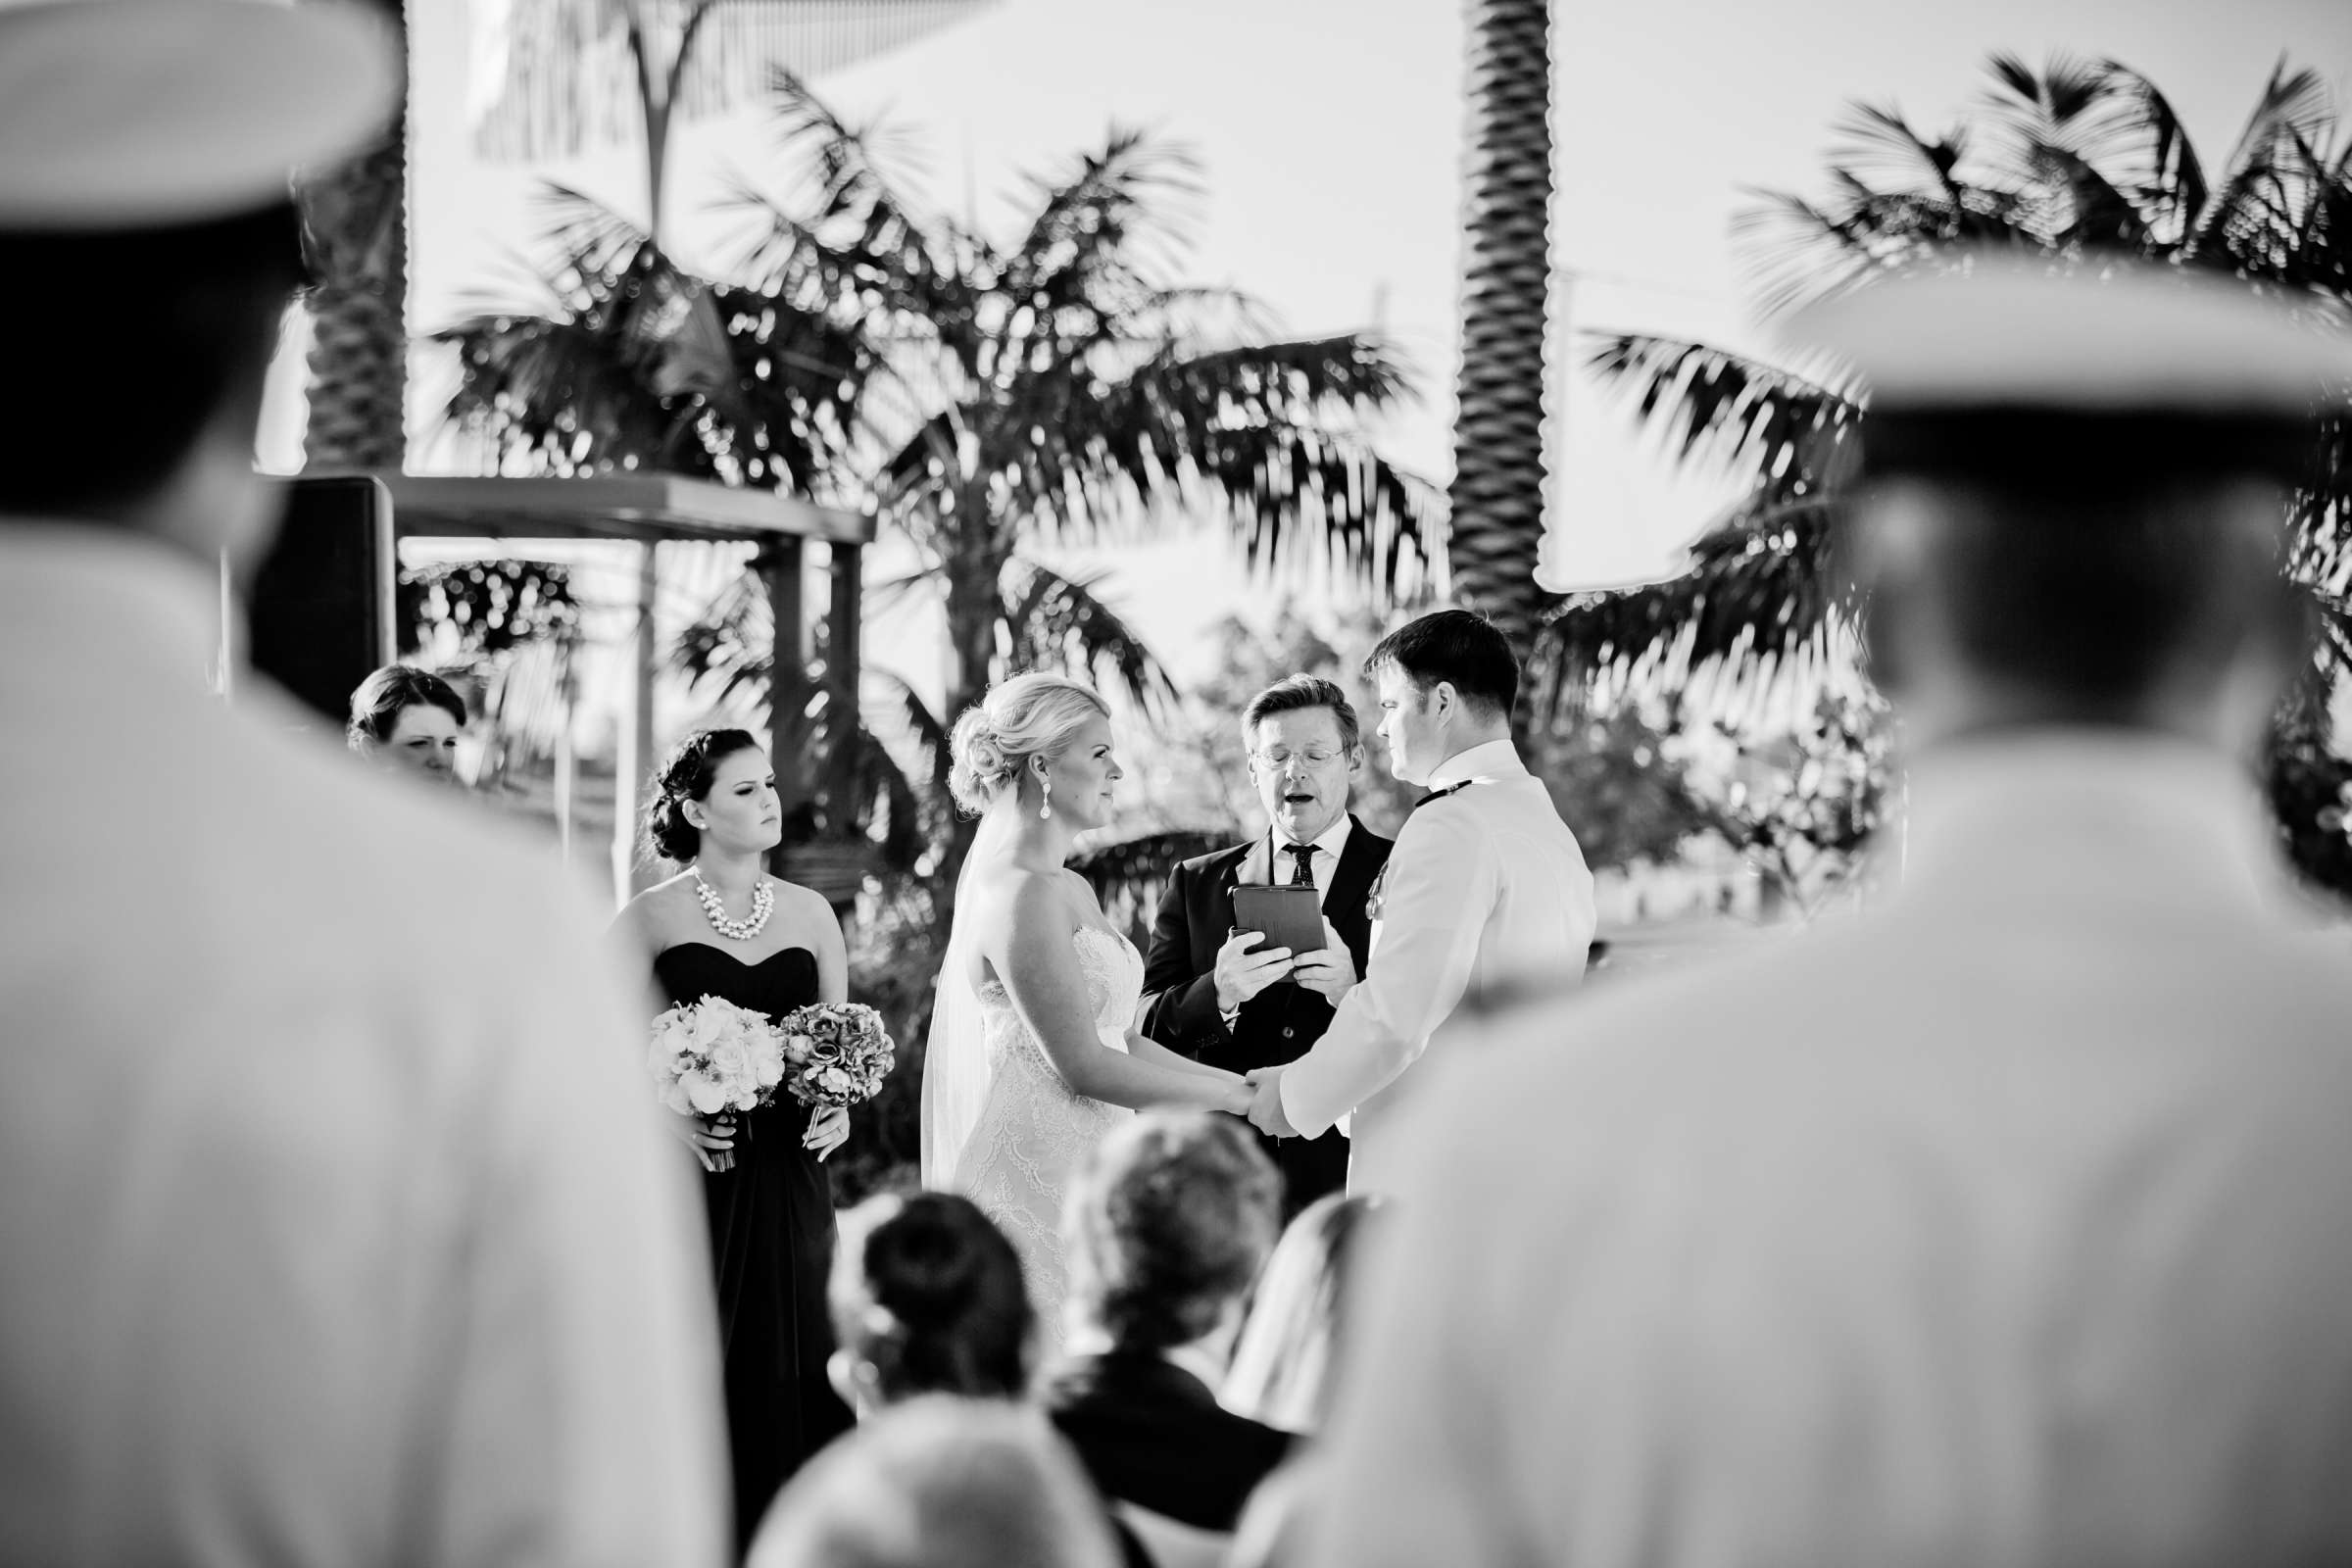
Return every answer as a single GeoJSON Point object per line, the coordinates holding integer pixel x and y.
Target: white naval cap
{"type": "Point", "coordinates": [119, 115]}
{"type": "Point", "coordinates": [1996, 360]}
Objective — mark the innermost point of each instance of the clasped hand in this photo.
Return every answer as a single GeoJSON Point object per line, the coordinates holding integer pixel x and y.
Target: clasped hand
{"type": "Point", "coordinates": [1265, 1108]}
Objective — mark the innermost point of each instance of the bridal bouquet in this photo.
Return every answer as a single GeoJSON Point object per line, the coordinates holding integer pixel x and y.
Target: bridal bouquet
{"type": "Point", "coordinates": [835, 1054]}
{"type": "Point", "coordinates": [713, 1057]}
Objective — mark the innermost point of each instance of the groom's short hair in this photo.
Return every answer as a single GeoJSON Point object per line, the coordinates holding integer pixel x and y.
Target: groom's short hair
{"type": "Point", "coordinates": [1459, 647]}
{"type": "Point", "coordinates": [1296, 694]}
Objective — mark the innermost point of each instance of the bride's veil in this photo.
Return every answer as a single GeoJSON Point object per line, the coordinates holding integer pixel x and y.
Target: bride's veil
{"type": "Point", "coordinates": [955, 1067]}
{"type": "Point", "coordinates": [955, 1061]}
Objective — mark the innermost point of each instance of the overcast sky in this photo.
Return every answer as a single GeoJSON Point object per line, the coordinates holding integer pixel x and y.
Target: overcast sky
{"type": "Point", "coordinates": [1330, 131]}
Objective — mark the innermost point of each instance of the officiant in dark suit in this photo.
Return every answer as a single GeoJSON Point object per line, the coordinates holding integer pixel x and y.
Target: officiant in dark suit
{"type": "Point", "coordinates": [1224, 998]}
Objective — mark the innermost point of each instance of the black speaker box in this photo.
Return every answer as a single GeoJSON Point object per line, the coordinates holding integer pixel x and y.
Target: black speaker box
{"type": "Point", "coordinates": [318, 612]}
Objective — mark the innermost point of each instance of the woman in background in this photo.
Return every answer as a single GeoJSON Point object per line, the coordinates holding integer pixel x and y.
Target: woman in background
{"type": "Point", "coordinates": [406, 717]}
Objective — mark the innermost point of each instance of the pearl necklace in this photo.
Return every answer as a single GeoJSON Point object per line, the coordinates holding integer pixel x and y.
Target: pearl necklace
{"type": "Point", "coordinates": [714, 909]}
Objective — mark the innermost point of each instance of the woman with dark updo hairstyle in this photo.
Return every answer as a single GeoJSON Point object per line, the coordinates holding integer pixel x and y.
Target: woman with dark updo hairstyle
{"type": "Point", "coordinates": [406, 717]}
{"type": "Point", "coordinates": [724, 927]}
{"type": "Point", "coordinates": [928, 1298]}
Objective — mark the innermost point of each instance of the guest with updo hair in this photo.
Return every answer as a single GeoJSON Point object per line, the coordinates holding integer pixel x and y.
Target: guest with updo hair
{"type": "Point", "coordinates": [928, 1298]}
{"type": "Point", "coordinates": [724, 927]}
{"type": "Point", "coordinates": [407, 718]}
{"type": "Point", "coordinates": [940, 1483]}
{"type": "Point", "coordinates": [1168, 1225]}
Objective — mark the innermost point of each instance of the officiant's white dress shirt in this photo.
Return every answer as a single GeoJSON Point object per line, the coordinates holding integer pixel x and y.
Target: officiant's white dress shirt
{"type": "Point", "coordinates": [1271, 862]}
{"type": "Point", "coordinates": [335, 1227]}
{"type": "Point", "coordinates": [2008, 1225]}
{"type": "Point", "coordinates": [1484, 889]}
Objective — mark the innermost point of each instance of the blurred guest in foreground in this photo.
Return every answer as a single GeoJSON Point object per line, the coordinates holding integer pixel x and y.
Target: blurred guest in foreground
{"type": "Point", "coordinates": [406, 717]}
{"type": "Point", "coordinates": [940, 1483]}
{"type": "Point", "coordinates": [1283, 1363]}
{"type": "Point", "coordinates": [2003, 1226]}
{"type": "Point", "coordinates": [928, 1298]}
{"type": "Point", "coordinates": [334, 1223]}
{"type": "Point", "coordinates": [1170, 1222]}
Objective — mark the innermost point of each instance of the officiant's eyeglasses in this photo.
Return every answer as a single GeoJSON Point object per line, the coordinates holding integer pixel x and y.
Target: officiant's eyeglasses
{"type": "Point", "coordinates": [1313, 757]}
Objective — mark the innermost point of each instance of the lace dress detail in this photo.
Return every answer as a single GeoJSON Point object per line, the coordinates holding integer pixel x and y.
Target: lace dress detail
{"type": "Point", "coordinates": [1033, 1130]}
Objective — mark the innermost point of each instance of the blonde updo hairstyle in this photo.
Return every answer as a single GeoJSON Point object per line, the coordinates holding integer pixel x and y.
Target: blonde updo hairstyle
{"type": "Point", "coordinates": [1026, 717]}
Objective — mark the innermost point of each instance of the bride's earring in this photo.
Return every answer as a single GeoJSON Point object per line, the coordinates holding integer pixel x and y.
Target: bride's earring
{"type": "Point", "coordinates": [1044, 800]}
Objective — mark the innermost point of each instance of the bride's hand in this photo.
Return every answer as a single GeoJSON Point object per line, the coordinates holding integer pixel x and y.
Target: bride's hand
{"type": "Point", "coordinates": [1240, 1095]}
{"type": "Point", "coordinates": [827, 1131]}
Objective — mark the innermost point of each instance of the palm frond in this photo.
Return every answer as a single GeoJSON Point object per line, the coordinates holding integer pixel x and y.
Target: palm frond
{"type": "Point", "coordinates": [2169, 178]}
{"type": "Point", "coordinates": [1790, 436]}
{"type": "Point", "coordinates": [2242, 210]}
{"type": "Point", "coordinates": [1129, 877]}
{"type": "Point", "coordinates": [1056, 621]}
{"type": "Point", "coordinates": [1263, 434]}
{"type": "Point", "coordinates": [1121, 213]}
{"type": "Point", "coordinates": [1757, 607]}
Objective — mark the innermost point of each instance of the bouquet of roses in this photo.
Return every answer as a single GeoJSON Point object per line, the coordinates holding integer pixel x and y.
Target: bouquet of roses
{"type": "Point", "coordinates": [835, 1054]}
{"type": "Point", "coordinates": [713, 1057]}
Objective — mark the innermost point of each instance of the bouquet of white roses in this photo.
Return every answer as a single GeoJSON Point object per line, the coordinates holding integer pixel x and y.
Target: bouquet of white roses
{"type": "Point", "coordinates": [835, 1054]}
{"type": "Point", "coordinates": [713, 1057]}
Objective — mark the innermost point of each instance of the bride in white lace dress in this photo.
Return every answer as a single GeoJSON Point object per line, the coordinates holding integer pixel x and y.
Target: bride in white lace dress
{"type": "Point", "coordinates": [1034, 1051]}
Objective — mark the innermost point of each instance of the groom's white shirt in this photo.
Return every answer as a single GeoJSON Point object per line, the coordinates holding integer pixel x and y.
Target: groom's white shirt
{"type": "Point", "coordinates": [1485, 888]}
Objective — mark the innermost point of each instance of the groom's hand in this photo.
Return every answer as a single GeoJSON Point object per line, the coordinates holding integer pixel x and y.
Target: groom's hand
{"type": "Point", "coordinates": [1265, 1111]}
{"type": "Point", "coordinates": [1327, 970]}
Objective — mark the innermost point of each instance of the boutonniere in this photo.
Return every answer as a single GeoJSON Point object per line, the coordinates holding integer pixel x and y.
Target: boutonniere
{"type": "Point", "coordinates": [1378, 900]}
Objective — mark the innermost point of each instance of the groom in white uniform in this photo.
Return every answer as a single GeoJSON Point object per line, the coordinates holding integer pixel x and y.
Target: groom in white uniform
{"type": "Point", "coordinates": [1485, 889]}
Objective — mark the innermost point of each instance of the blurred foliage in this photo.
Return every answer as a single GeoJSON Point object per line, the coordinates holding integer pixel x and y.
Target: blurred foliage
{"type": "Point", "coordinates": [1620, 782]}
{"type": "Point", "coordinates": [483, 608]}
{"type": "Point", "coordinates": [1802, 806]}
{"type": "Point", "coordinates": [2309, 782]}
{"type": "Point", "coordinates": [2078, 161]}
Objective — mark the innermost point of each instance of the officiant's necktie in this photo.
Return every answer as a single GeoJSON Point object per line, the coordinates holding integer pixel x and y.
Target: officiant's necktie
{"type": "Point", "coordinates": [1302, 869]}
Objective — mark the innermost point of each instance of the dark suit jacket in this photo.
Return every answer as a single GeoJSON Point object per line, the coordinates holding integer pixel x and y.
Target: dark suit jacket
{"type": "Point", "coordinates": [1278, 1024]}
{"type": "Point", "coordinates": [1152, 1433]}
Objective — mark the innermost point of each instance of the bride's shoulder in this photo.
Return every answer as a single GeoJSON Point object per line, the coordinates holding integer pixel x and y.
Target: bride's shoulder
{"type": "Point", "coordinates": [1008, 893]}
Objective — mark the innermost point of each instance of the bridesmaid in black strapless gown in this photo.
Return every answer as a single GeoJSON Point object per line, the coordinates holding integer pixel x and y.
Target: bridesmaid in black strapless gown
{"type": "Point", "coordinates": [725, 928]}
{"type": "Point", "coordinates": [771, 1241]}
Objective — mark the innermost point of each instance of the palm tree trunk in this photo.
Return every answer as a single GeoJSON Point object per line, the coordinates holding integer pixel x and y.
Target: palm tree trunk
{"type": "Point", "coordinates": [1497, 500]}
{"type": "Point", "coordinates": [974, 579]}
{"type": "Point", "coordinates": [357, 220]}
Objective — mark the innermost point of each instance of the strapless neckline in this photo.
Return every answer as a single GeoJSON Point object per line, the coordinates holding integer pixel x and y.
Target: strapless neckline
{"type": "Point", "coordinates": [748, 964]}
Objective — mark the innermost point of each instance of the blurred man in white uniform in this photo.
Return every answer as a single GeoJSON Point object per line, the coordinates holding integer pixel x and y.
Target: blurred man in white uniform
{"type": "Point", "coordinates": [2006, 1225]}
{"type": "Point", "coordinates": [335, 1226]}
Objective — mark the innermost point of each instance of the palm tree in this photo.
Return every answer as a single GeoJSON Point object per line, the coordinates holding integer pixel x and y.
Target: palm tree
{"type": "Point", "coordinates": [2073, 162]}
{"type": "Point", "coordinates": [1495, 502]}
{"type": "Point", "coordinates": [355, 219]}
{"type": "Point", "coordinates": [982, 398]}
{"type": "Point", "coordinates": [1059, 389]}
